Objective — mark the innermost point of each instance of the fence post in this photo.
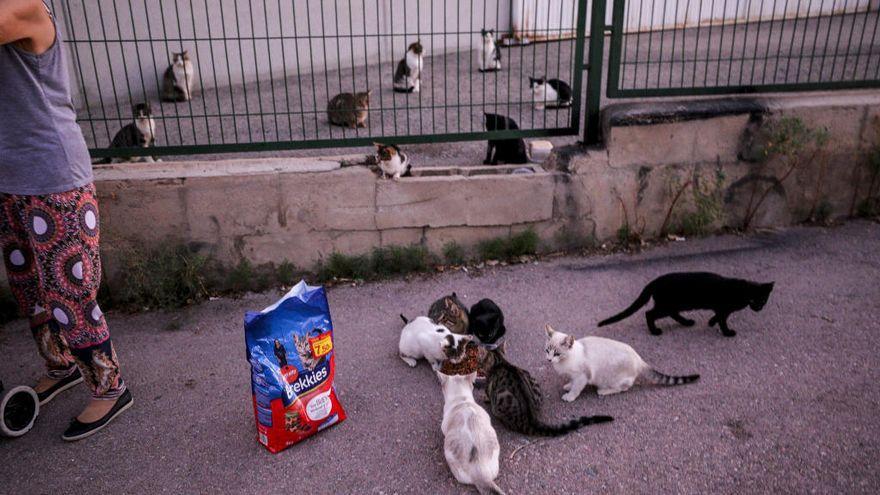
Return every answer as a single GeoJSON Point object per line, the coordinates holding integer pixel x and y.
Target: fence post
{"type": "Point", "coordinates": [594, 81]}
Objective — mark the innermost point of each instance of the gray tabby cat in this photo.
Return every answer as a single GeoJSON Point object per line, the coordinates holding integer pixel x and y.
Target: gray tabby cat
{"type": "Point", "coordinates": [304, 350]}
{"type": "Point", "coordinates": [349, 110]}
{"type": "Point", "coordinates": [139, 134]}
{"type": "Point", "coordinates": [451, 313]}
{"type": "Point", "coordinates": [515, 399]}
{"type": "Point", "coordinates": [178, 78]}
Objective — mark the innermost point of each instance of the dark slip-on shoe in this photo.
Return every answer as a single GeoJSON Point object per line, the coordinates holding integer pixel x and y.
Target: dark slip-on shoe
{"type": "Point", "coordinates": [74, 379]}
{"type": "Point", "coordinates": [78, 430]}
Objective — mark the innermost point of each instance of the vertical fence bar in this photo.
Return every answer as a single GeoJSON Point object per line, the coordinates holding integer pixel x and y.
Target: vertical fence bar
{"type": "Point", "coordinates": [597, 53]}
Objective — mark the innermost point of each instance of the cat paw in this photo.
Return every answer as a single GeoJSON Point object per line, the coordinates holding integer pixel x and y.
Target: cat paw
{"type": "Point", "coordinates": [655, 331]}
{"type": "Point", "coordinates": [487, 162]}
{"type": "Point", "coordinates": [729, 333]}
{"type": "Point", "coordinates": [688, 323]}
{"type": "Point", "coordinates": [410, 361]}
{"type": "Point", "coordinates": [712, 321]}
{"type": "Point", "coordinates": [607, 391]}
{"type": "Point", "coordinates": [566, 387]}
{"type": "Point", "coordinates": [569, 397]}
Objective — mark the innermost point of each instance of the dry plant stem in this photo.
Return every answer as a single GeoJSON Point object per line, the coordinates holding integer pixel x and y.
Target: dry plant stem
{"type": "Point", "coordinates": [753, 211]}
{"type": "Point", "coordinates": [672, 207]}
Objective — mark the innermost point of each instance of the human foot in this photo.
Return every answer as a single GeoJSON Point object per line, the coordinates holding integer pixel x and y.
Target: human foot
{"type": "Point", "coordinates": [96, 416]}
{"type": "Point", "coordinates": [47, 388]}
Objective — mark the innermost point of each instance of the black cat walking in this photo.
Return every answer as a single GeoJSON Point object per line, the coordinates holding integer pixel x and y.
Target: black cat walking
{"type": "Point", "coordinates": [687, 291]}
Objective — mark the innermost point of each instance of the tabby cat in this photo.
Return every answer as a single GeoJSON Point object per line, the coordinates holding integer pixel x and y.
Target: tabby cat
{"type": "Point", "coordinates": [349, 110]}
{"type": "Point", "coordinates": [304, 350]}
{"type": "Point", "coordinates": [515, 399]}
{"type": "Point", "coordinates": [139, 134]}
{"type": "Point", "coordinates": [451, 313]}
{"type": "Point", "coordinates": [686, 291]}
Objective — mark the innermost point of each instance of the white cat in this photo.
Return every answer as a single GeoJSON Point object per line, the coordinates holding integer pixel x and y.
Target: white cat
{"type": "Point", "coordinates": [609, 365]}
{"type": "Point", "coordinates": [470, 444]}
{"type": "Point", "coordinates": [177, 82]}
{"type": "Point", "coordinates": [393, 162]}
{"type": "Point", "coordinates": [408, 76]}
{"type": "Point", "coordinates": [550, 93]}
{"type": "Point", "coordinates": [422, 338]}
{"type": "Point", "coordinates": [490, 55]}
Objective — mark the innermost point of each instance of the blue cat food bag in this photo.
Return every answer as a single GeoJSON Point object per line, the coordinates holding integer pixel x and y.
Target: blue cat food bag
{"type": "Point", "coordinates": [290, 349]}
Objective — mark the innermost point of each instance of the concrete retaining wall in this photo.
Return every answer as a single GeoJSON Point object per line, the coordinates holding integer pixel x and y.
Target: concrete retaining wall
{"type": "Point", "coordinates": [302, 210]}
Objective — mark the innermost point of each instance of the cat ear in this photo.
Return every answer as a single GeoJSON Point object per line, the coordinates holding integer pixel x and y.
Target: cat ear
{"type": "Point", "coordinates": [549, 330]}
{"type": "Point", "coordinates": [569, 341]}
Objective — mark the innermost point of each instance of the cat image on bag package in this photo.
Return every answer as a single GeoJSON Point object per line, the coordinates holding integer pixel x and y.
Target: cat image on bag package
{"type": "Point", "coordinates": [280, 353]}
{"type": "Point", "coordinates": [349, 109]}
{"type": "Point", "coordinates": [451, 313]}
{"type": "Point", "coordinates": [393, 162]}
{"type": "Point", "coordinates": [490, 55]}
{"type": "Point", "coordinates": [139, 134]}
{"type": "Point", "coordinates": [408, 76]}
{"type": "Point", "coordinates": [293, 395]}
{"type": "Point", "coordinates": [470, 444]}
{"type": "Point", "coordinates": [610, 366]}
{"type": "Point", "coordinates": [687, 291]}
{"type": "Point", "coordinates": [515, 399]}
{"type": "Point", "coordinates": [505, 150]}
{"type": "Point", "coordinates": [177, 82]}
{"type": "Point", "coordinates": [549, 93]}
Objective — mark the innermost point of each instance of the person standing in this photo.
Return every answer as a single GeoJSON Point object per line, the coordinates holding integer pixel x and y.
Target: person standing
{"type": "Point", "coordinates": [49, 222]}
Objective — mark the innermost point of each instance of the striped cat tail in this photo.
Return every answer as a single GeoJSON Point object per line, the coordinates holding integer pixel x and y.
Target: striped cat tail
{"type": "Point", "coordinates": [539, 428]}
{"type": "Point", "coordinates": [658, 378]}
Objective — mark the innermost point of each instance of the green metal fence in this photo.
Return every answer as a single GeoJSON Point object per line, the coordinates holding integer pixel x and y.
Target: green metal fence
{"type": "Point", "coordinates": [265, 70]}
{"type": "Point", "coordinates": [680, 47]}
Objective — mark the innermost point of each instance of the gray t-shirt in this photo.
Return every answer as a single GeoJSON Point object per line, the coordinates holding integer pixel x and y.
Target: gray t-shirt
{"type": "Point", "coordinates": [42, 150]}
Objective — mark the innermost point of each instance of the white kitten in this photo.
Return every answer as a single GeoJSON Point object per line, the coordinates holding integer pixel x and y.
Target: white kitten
{"type": "Point", "coordinates": [490, 55]}
{"type": "Point", "coordinates": [422, 338]}
{"type": "Point", "coordinates": [549, 93]}
{"type": "Point", "coordinates": [609, 365]}
{"type": "Point", "coordinates": [470, 444]}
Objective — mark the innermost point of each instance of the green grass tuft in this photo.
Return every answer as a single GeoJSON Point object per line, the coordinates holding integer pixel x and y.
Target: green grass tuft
{"type": "Point", "coordinates": [166, 277]}
{"type": "Point", "coordinates": [454, 254]}
{"type": "Point", "coordinates": [509, 248]}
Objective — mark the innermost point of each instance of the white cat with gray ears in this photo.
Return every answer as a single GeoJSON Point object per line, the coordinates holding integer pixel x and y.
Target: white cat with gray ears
{"type": "Point", "coordinates": [611, 366]}
{"type": "Point", "coordinates": [177, 82]}
{"type": "Point", "coordinates": [490, 55]}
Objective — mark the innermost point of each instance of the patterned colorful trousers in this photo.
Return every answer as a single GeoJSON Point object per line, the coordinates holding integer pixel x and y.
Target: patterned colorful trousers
{"type": "Point", "coordinates": [50, 249]}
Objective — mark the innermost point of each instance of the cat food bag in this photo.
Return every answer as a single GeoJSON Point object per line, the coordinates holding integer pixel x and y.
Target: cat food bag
{"type": "Point", "coordinates": [290, 349]}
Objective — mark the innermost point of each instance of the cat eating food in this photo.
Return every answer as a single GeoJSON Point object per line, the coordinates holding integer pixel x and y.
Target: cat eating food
{"type": "Point", "coordinates": [490, 55]}
{"type": "Point", "coordinates": [686, 291]}
{"type": "Point", "coordinates": [451, 313]}
{"type": "Point", "coordinates": [422, 338]}
{"type": "Point", "coordinates": [609, 365]}
{"type": "Point", "coordinates": [178, 79]}
{"type": "Point", "coordinates": [506, 150]}
{"type": "Point", "coordinates": [550, 93]}
{"type": "Point", "coordinates": [139, 134]}
{"type": "Point", "coordinates": [349, 110]}
{"type": "Point", "coordinates": [515, 399]}
{"type": "Point", "coordinates": [487, 323]}
{"type": "Point", "coordinates": [470, 444]}
{"type": "Point", "coordinates": [408, 76]}
{"type": "Point", "coordinates": [392, 161]}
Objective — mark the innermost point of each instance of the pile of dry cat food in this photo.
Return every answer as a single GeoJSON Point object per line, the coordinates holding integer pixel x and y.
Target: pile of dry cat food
{"type": "Point", "coordinates": [290, 349]}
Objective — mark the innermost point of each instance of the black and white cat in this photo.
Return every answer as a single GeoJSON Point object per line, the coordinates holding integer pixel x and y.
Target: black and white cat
{"type": "Point", "coordinates": [687, 291]}
{"type": "Point", "coordinates": [139, 134]}
{"type": "Point", "coordinates": [550, 93]}
{"type": "Point", "coordinates": [505, 150]}
{"type": "Point", "coordinates": [611, 366]}
{"type": "Point", "coordinates": [490, 55]}
{"type": "Point", "coordinates": [408, 76]}
{"type": "Point", "coordinates": [421, 338]}
{"type": "Point", "coordinates": [393, 162]}
{"type": "Point", "coordinates": [177, 82]}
